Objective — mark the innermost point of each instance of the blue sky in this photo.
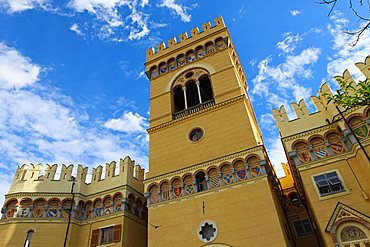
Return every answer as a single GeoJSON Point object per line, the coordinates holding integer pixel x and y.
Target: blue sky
{"type": "Point", "coordinates": [72, 84]}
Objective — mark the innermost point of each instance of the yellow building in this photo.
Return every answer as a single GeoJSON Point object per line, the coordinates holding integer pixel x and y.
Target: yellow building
{"type": "Point", "coordinates": [330, 169]}
{"type": "Point", "coordinates": [210, 182]}
{"type": "Point", "coordinates": [109, 210]}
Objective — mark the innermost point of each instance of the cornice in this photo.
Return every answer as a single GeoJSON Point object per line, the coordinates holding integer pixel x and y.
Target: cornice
{"type": "Point", "coordinates": [212, 108]}
{"type": "Point", "coordinates": [203, 165]}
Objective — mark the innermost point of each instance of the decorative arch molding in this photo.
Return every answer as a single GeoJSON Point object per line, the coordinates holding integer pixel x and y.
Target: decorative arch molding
{"type": "Point", "coordinates": [204, 66]}
{"type": "Point", "coordinates": [345, 215]}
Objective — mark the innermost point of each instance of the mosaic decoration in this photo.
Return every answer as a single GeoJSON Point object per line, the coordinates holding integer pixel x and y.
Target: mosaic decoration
{"type": "Point", "coordinates": [361, 131]}
{"type": "Point", "coordinates": [117, 204]}
{"type": "Point", "coordinates": [154, 74]}
{"type": "Point", "coordinates": [98, 212]}
{"type": "Point", "coordinates": [351, 233]}
{"type": "Point", "coordinates": [241, 174]}
{"type": "Point", "coordinates": [163, 70]}
{"type": "Point", "coordinates": [107, 206]}
{"type": "Point", "coordinates": [189, 189]}
{"type": "Point", "coordinates": [88, 211]}
{"type": "Point", "coordinates": [304, 156]}
{"type": "Point", "coordinates": [53, 209]}
{"type": "Point", "coordinates": [66, 211]}
{"type": "Point", "coordinates": [10, 213]}
{"type": "Point", "coordinates": [207, 231]}
{"type": "Point", "coordinates": [166, 195]}
{"type": "Point", "coordinates": [201, 54]}
{"type": "Point", "coordinates": [177, 191]}
{"type": "Point", "coordinates": [215, 182]}
{"type": "Point", "coordinates": [23, 212]}
{"type": "Point", "coordinates": [191, 58]}
{"type": "Point", "coordinates": [220, 45]}
{"type": "Point", "coordinates": [228, 178]}
{"type": "Point", "coordinates": [337, 147]}
{"type": "Point", "coordinates": [320, 152]}
{"type": "Point", "coordinates": [38, 210]}
{"type": "Point", "coordinates": [182, 62]}
{"type": "Point", "coordinates": [172, 66]}
{"type": "Point", "coordinates": [255, 171]}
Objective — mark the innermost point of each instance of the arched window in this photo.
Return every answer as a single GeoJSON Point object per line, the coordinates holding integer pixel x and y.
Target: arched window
{"type": "Point", "coordinates": [302, 152]}
{"type": "Point", "coordinates": [254, 167]}
{"type": "Point", "coordinates": [138, 207]}
{"type": "Point", "coordinates": [240, 170]}
{"type": "Point", "coordinates": [353, 235]}
{"type": "Point", "coordinates": [53, 208]}
{"type": "Point", "coordinates": [162, 68]}
{"type": "Point", "coordinates": [66, 208]}
{"type": "Point", "coordinates": [153, 72]}
{"type": "Point", "coordinates": [176, 185]}
{"type": "Point", "coordinates": [98, 208]}
{"type": "Point", "coordinates": [107, 205]}
{"type": "Point", "coordinates": [210, 48]}
{"type": "Point", "coordinates": [165, 191]}
{"type": "Point", "coordinates": [79, 214]}
{"type": "Point", "coordinates": [335, 143]}
{"type": "Point", "coordinates": [359, 127]}
{"type": "Point", "coordinates": [293, 198]}
{"type": "Point", "coordinates": [205, 89]}
{"type": "Point", "coordinates": [214, 180]}
{"type": "Point", "coordinates": [38, 208]}
{"type": "Point", "coordinates": [30, 233]}
{"type": "Point", "coordinates": [192, 96]}
{"type": "Point", "coordinates": [190, 56]}
{"type": "Point", "coordinates": [319, 147]}
{"type": "Point", "coordinates": [153, 193]}
{"type": "Point", "coordinates": [179, 98]}
{"type": "Point", "coordinates": [171, 64]}
{"type": "Point", "coordinates": [11, 208]}
{"type": "Point", "coordinates": [88, 208]}
{"type": "Point", "coordinates": [188, 181]}
{"type": "Point", "coordinates": [220, 43]}
{"type": "Point", "coordinates": [181, 61]}
{"type": "Point", "coordinates": [200, 52]}
{"type": "Point", "coordinates": [227, 175]}
{"type": "Point", "coordinates": [201, 181]}
{"type": "Point", "coordinates": [130, 203]}
{"type": "Point", "coordinates": [117, 202]}
{"type": "Point", "coordinates": [24, 208]}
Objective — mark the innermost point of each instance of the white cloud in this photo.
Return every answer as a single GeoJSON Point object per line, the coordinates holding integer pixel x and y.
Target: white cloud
{"type": "Point", "coordinates": [76, 29]}
{"type": "Point", "coordinates": [295, 12]}
{"type": "Point", "coordinates": [276, 152]}
{"type": "Point", "coordinates": [289, 44]}
{"type": "Point", "coordinates": [128, 123]}
{"type": "Point", "coordinates": [283, 77]}
{"type": "Point", "coordinates": [346, 56]}
{"type": "Point", "coordinates": [179, 9]}
{"type": "Point", "coordinates": [16, 71]}
{"type": "Point", "coordinates": [21, 5]}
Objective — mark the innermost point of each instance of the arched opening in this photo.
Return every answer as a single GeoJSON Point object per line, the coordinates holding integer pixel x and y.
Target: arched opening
{"type": "Point", "coordinates": [201, 181]}
{"type": "Point", "coordinates": [241, 174]}
{"type": "Point", "coordinates": [199, 52]}
{"type": "Point", "coordinates": [302, 152]}
{"type": "Point", "coordinates": [319, 147]}
{"type": "Point", "coordinates": [205, 89]}
{"type": "Point", "coordinates": [352, 234]}
{"type": "Point", "coordinates": [214, 180]}
{"type": "Point", "coordinates": [220, 43]}
{"type": "Point", "coordinates": [227, 175]}
{"type": "Point", "coordinates": [38, 208]}
{"type": "Point", "coordinates": [117, 202]}
{"type": "Point", "coordinates": [178, 98]}
{"type": "Point", "coordinates": [188, 181]}
{"type": "Point", "coordinates": [153, 193]}
{"type": "Point", "coordinates": [190, 56]}
{"type": "Point", "coordinates": [165, 191]}
{"type": "Point", "coordinates": [254, 166]}
{"type": "Point", "coordinates": [107, 205]}
{"type": "Point", "coordinates": [335, 143]}
{"type": "Point", "coordinates": [181, 61]}
{"type": "Point", "coordinates": [88, 208]}
{"type": "Point", "coordinates": [210, 48]}
{"type": "Point", "coordinates": [11, 208]}
{"type": "Point", "coordinates": [192, 94]}
{"type": "Point", "coordinates": [359, 127]}
{"type": "Point", "coordinates": [162, 68]}
{"type": "Point", "coordinates": [293, 198]}
{"type": "Point", "coordinates": [176, 185]}
{"type": "Point", "coordinates": [171, 64]}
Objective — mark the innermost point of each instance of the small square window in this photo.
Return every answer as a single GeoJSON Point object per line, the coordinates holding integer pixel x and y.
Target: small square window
{"type": "Point", "coordinates": [328, 183]}
{"type": "Point", "coordinates": [303, 227]}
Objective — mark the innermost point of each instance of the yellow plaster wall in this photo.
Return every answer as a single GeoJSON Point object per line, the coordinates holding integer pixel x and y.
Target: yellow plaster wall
{"type": "Point", "coordinates": [226, 131]}
{"type": "Point", "coordinates": [245, 214]}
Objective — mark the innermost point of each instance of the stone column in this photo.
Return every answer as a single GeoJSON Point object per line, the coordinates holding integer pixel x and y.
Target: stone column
{"type": "Point", "coordinates": [195, 185]}
{"type": "Point", "coordinates": [198, 88]}
{"type": "Point", "coordinates": [208, 182]}
{"type": "Point", "coordinates": [263, 163]}
{"type": "Point", "coordinates": [45, 213]}
{"type": "Point", "coordinates": [30, 213]}
{"type": "Point", "coordinates": [74, 212]}
{"type": "Point", "coordinates": [92, 212]}
{"type": "Point", "coordinates": [347, 133]}
{"type": "Point", "coordinates": [220, 177]}
{"type": "Point", "coordinates": [184, 90]}
{"type": "Point", "coordinates": [249, 175]}
{"type": "Point", "coordinates": [313, 155]}
{"type": "Point", "coordinates": [16, 211]}
{"type": "Point", "coordinates": [159, 195]}
{"type": "Point", "coordinates": [294, 156]}
{"type": "Point", "coordinates": [183, 189]}
{"type": "Point", "coordinates": [124, 204]}
{"type": "Point", "coordinates": [171, 192]}
{"type": "Point", "coordinates": [147, 196]}
{"type": "Point", "coordinates": [347, 144]}
{"type": "Point", "coordinates": [59, 212]}
{"type": "Point", "coordinates": [330, 151]}
{"type": "Point", "coordinates": [234, 174]}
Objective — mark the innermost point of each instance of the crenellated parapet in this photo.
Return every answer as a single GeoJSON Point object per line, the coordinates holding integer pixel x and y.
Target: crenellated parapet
{"type": "Point", "coordinates": [57, 179]}
{"type": "Point", "coordinates": [185, 39]}
{"type": "Point", "coordinates": [325, 112]}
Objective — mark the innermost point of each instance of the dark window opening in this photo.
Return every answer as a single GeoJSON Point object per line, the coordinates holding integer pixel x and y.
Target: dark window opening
{"type": "Point", "coordinates": [205, 89]}
{"type": "Point", "coordinates": [329, 183]}
{"type": "Point", "coordinates": [179, 99]}
{"type": "Point", "coordinates": [192, 94]}
{"type": "Point", "coordinates": [201, 181]}
{"type": "Point", "coordinates": [303, 227]}
{"type": "Point", "coordinates": [293, 197]}
{"type": "Point", "coordinates": [196, 135]}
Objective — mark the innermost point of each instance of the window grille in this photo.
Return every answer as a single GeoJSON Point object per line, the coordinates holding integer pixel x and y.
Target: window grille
{"type": "Point", "coordinates": [328, 183]}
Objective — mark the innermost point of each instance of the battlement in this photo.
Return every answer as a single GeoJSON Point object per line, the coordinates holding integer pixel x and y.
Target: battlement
{"type": "Point", "coordinates": [196, 34]}
{"type": "Point", "coordinates": [325, 111]}
{"type": "Point", "coordinates": [53, 178]}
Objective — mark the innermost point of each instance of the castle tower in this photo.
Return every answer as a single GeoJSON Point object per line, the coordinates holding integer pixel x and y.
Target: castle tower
{"type": "Point", "coordinates": [209, 177]}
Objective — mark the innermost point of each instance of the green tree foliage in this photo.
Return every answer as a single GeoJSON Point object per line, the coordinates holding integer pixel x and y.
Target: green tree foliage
{"type": "Point", "coordinates": [351, 94]}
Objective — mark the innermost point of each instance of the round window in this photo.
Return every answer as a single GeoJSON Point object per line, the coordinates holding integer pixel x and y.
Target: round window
{"type": "Point", "coordinates": [196, 135]}
{"type": "Point", "coordinates": [207, 231]}
{"type": "Point", "coordinates": [189, 74]}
